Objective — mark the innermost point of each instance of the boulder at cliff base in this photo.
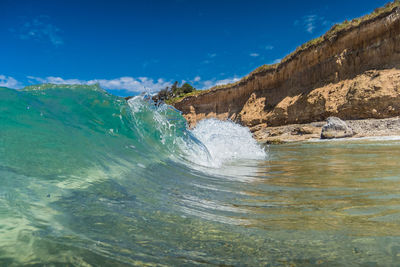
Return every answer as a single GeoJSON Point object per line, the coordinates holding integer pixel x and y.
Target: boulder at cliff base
{"type": "Point", "coordinates": [335, 128]}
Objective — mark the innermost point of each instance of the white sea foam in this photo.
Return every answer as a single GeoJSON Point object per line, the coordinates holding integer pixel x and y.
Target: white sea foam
{"type": "Point", "coordinates": [227, 141]}
{"type": "Point", "coordinates": [215, 142]}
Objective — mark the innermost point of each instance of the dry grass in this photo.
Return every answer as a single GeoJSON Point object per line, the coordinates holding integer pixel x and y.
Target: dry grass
{"type": "Point", "coordinates": [179, 98]}
{"type": "Point", "coordinates": [332, 34]}
{"type": "Point", "coordinates": [345, 26]}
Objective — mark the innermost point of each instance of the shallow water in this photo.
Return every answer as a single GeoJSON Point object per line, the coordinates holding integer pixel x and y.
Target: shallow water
{"type": "Point", "coordinates": [86, 179]}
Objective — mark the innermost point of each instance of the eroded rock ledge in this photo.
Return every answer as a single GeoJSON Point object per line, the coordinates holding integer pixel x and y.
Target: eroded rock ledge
{"type": "Point", "coordinates": [355, 75]}
{"type": "Point", "coordinates": [301, 132]}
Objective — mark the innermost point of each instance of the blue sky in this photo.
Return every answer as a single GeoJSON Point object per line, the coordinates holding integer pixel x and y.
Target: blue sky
{"type": "Point", "coordinates": [128, 46]}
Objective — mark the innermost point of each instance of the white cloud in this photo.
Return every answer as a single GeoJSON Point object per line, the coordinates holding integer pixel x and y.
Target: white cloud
{"type": "Point", "coordinates": [327, 22]}
{"type": "Point", "coordinates": [211, 55]}
{"type": "Point", "coordinates": [141, 84]}
{"type": "Point", "coordinates": [9, 82]}
{"type": "Point", "coordinates": [269, 47]}
{"type": "Point", "coordinates": [130, 84]}
{"type": "Point", "coordinates": [278, 60]}
{"type": "Point", "coordinates": [39, 29]}
{"type": "Point", "coordinates": [55, 80]}
{"type": "Point", "coordinates": [312, 22]}
{"type": "Point", "coordinates": [211, 83]}
{"type": "Point", "coordinates": [254, 54]}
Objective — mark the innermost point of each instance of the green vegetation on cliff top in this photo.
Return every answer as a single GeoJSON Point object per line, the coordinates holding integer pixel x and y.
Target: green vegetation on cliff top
{"type": "Point", "coordinates": [174, 93]}
{"type": "Point", "coordinates": [329, 35]}
{"type": "Point", "coordinates": [179, 98]}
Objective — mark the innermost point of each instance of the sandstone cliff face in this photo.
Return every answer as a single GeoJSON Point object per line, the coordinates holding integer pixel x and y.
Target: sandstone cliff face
{"type": "Point", "coordinates": [354, 75]}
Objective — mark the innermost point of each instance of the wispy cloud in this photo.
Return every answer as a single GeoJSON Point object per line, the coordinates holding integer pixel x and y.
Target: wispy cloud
{"type": "Point", "coordinates": [254, 54]}
{"type": "Point", "coordinates": [150, 62]}
{"type": "Point", "coordinates": [39, 29]}
{"type": "Point", "coordinates": [309, 22]}
{"type": "Point", "coordinates": [197, 79]}
{"type": "Point", "coordinates": [278, 60]}
{"type": "Point", "coordinates": [9, 82]}
{"type": "Point", "coordinates": [130, 84]}
{"type": "Point", "coordinates": [269, 47]}
{"type": "Point", "coordinates": [210, 58]}
{"type": "Point", "coordinates": [312, 22]}
{"type": "Point", "coordinates": [213, 82]}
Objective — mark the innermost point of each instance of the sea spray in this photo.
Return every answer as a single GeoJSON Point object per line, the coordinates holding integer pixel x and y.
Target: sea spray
{"type": "Point", "coordinates": [170, 129]}
{"type": "Point", "coordinates": [211, 143]}
{"type": "Point", "coordinates": [227, 141]}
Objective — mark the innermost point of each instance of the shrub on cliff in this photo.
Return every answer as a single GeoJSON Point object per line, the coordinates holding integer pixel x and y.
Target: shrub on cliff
{"type": "Point", "coordinates": [168, 94]}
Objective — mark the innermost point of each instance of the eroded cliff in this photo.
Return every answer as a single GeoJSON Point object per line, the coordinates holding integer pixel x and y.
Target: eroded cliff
{"type": "Point", "coordinates": [352, 74]}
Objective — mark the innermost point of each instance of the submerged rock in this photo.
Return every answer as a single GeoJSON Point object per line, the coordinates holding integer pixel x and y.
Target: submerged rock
{"type": "Point", "coordinates": [335, 128]}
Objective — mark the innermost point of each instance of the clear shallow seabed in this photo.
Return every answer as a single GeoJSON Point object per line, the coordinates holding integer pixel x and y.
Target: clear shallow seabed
{"type": "Point", "coordinates": [88, 179]}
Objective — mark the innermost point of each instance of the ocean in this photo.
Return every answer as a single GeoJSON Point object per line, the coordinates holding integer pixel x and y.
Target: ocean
{"type": "Point", "coordinates": [90, 179]}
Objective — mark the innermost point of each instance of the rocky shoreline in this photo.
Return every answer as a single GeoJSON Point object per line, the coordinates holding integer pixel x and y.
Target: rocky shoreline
{"type": "Point", "coordinates": [313, 130]}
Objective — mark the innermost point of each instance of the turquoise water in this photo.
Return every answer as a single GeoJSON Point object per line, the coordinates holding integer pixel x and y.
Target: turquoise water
{"type": "Point", "coordinates": [87, 179]}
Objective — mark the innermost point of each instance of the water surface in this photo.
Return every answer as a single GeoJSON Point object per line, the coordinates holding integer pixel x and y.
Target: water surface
{"type": "Point", "coordinates": [87, 179]}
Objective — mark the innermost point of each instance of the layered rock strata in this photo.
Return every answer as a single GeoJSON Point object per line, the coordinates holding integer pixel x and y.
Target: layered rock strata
{"type": "Point", "coordinates": [353, 75]}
